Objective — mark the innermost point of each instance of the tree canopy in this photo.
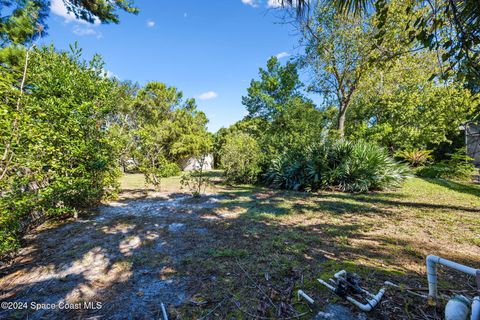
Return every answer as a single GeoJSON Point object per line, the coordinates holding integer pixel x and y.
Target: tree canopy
{"type": "Point", "coordinates": [22, 21]}
{"type": "Point", "coordinates": [449, 27]}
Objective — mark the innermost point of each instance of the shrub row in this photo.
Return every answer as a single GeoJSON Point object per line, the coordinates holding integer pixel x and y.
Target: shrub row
{"type": "Point", "coordinates": [60, 156]}
{"type": "Point", "coordinates": [457, 167]}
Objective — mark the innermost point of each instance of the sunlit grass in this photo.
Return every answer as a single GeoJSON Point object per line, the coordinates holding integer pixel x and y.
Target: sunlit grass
{"type": "Point", "coordinates": [386, 234]}
{"type": "Point", "coordinates": [136, 181]}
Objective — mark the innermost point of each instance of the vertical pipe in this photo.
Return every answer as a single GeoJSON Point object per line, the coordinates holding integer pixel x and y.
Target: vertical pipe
{"type": "Point", "coordinates": [432, 279]}
{"type": "Point", "coordinates": [432, 262]}
{"type": "Point", "coordinates": [164, 312]}
{"type": "Point", "coordinates": [475, 309]}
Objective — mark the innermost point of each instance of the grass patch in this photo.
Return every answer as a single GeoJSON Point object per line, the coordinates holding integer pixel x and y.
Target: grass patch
{"type": "Point", "coordinates": [260, 245]}
{"type": "Point", "coordinates": [136, 182]}
{"type": "Point", "coordinates": [282, 238]}
{"type": "Point", "coordinates": [228, 253]}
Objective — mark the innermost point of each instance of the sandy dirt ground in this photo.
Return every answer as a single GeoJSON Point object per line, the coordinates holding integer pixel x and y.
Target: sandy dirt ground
{"type": "Point", "coordinates": [122, 258]}
{"type": "Point", "coordinates": [242, 253]}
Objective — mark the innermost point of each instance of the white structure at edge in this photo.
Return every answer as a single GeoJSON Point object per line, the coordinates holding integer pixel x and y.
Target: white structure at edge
{"type": "Point", "coordinates": [195, 163]}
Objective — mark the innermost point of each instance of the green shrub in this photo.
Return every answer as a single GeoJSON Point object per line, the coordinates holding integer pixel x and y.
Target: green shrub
{"type": "Point", "coordinates": [458, 167]}
{"type": "Point", "coordinates": [61, 158]}
{"type": "Point", "coordinates": [241, 158]}
{"type": "Point", "coordinates": [196, 181]}
{"type": "Point", "coordinates": [347, 166]}
{"type": "Point", "coordinates": [288, 171]}
{"type": "Point", "coordinates": [415, 157]}
{"type": "Point", "coordinates": [155, 167]}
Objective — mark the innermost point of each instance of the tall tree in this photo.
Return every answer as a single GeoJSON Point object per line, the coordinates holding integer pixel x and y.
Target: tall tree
{"type": "Point", "coordinates": [24, 21]}
{"type": "Point", "coordinates": [338, 52]}
{"type": "Point", "coordinates": [399, 107]}
{"type": "Point", "coordinates": [280, 115]}
{"type": "Point", "coordinates": [450, 26]}
{"type": "Point", "coordinates": [103, 10]}
{"type": "Point", "coordinates": [269, 96]}
{"type": "Point", "coordinates": [168, 129]}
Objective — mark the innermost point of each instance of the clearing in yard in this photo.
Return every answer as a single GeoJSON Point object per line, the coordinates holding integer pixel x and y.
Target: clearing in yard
{"type": "Point", "coordinates": [243, 252]}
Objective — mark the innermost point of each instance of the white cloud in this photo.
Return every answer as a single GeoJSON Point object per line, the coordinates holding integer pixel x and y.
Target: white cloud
{"type": "Point", "coordinates": [278, 3]}
{"type": "Point", "coordinates": [274, 3]}
{"type": "Point", "coordinates": [81, 30]}
{"type": "Point", "coordinates": [282, 55]}
{"type": "Point", "coordinates": [80, 27]}
{"type": "Point", "coordinates": [252, 3]}
{"type": "Point", "coordinates": [208, 95]}
{"type": "Point", "coordinates": [150, 23]}
{"type": "Point", "coordinates": [110, 74]}
{"type": "Point", "coordinates": [58, 8]}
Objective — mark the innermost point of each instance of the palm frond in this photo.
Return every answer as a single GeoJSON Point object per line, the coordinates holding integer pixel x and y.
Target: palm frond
{"type": "Point", "coordinates": [347, 6]}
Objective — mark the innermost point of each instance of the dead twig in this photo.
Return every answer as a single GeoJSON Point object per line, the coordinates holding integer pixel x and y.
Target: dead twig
{"type": "Point", "coordinates": [216, 307]}
{"type": "Point", "coordinates": [256, 285]}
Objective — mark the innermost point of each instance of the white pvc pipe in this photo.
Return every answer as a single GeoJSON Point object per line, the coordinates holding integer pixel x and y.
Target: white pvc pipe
{"type": "Point", "coordinates": [371, 303]}
{"type": "Point", "coordinates": [340, 273]}
{"type": "Point", "coordinates": [326, 285]}
{"type": "Point", "coordinates": [475, 309]}
{"type": "Point", "coordinates": [164, 311]}
{"type": "Point", "coordinates": [305, 296]}
{"type": "Point", "coordinates": [391, 284]}
{"type": "Point", "coordinates": [432, 262]}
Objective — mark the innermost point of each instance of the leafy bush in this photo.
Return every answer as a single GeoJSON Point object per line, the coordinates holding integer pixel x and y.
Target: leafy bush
{"type": "Point", "coordinates": [55, 138]}
{"type": "Point", "coordinates": [155, 167]}
{"type": "Point", "coordinates": [347, 166]}
{"type": "Point", "coordinates": [458, 167]}
{"type": "Point", "coordinates": [415, 157]}
{"type": "Point", "coordinates": [196, 180]}
{"type": "Point", "coordinates": [241, 158]}
{"type": "Point", "coordinates": [166, 129]}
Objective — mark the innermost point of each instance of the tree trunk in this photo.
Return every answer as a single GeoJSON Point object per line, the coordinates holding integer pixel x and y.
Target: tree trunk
{"type": "Point", "coordinates": [341, 121]}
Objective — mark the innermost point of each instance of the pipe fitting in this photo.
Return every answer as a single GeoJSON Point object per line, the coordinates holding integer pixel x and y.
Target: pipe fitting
{"type": "Point", "coordinates": [371, 303]}
{"type": "Point", "coordinates": [432, 262]}
{"type": "Point", "coordinates": [302, 294]}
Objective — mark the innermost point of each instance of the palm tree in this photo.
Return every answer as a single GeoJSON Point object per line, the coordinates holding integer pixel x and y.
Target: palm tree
{"type": "Point", "coordinates": [458, 19]}
{"type": "Point", "coordinates": [302, 6]}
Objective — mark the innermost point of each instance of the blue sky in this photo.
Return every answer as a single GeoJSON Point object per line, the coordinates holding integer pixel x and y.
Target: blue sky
{"type": "Point", "coordinates": [209, 49]}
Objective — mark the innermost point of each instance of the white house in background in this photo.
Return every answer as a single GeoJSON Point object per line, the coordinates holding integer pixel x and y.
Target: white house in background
{"type": "Point", "coordinates": [193, 163]}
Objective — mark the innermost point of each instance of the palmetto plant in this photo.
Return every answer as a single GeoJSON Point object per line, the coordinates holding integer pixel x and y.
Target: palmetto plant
{"type": "Point", "coordinates": [415, 157]}
{"type": "Point", "coordinates": [343, 165]}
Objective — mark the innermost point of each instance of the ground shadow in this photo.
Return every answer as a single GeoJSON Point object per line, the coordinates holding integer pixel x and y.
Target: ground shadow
{"type": "Point", "coordinates": [240, 254]}
{"type": "Point", "coordinates": [465, 188]}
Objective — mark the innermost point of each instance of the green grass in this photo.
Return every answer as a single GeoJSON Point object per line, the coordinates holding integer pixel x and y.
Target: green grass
{"type": "Point", "coordinates": [136, 181]}
{"type": "Point", "coordinates": [285, 240]}
{"type": "Point", "coordinates": [381, 236]}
